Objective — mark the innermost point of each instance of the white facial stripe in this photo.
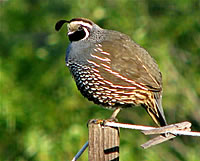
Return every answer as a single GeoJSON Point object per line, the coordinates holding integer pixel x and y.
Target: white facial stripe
{"type": "Point", "coordinates": [82, 23]}
{"type": "Point", "coordinates": [69, 33]}
{"type": "Point", "coordinates": [87, 34]}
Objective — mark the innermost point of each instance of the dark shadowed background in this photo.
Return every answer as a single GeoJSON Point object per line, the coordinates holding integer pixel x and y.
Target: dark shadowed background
{"type": "Point", "coordinates": [43, 117]}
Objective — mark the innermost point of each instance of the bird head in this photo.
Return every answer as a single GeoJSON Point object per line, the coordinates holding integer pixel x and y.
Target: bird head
{"type": "Point", "coordinates": [78, 28]}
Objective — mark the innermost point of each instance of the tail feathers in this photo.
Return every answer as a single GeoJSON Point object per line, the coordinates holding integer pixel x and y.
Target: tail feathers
{"type": "Point", "coordinates": [158, 118]}
{"type": "Point", "coordinates": [157, 113]}
{"type": "Point", "coordinates": [158, 98]}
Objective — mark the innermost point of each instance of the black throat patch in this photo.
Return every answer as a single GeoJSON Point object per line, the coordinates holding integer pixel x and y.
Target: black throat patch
{"type": "Point", "coordinates": [77, 35]}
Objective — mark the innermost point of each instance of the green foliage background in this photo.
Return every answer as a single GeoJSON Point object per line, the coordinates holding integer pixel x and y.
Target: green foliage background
{"type": "Point", "coordinates": [43, 117]}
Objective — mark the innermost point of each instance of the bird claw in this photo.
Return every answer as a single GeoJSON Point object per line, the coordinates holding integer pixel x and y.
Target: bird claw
{"type": "Point", "coordinates": [112, 119]}
{"type": "Point", "coordinates": [102, 122]}
{"type": "Point", "coordinates": [96, 121]}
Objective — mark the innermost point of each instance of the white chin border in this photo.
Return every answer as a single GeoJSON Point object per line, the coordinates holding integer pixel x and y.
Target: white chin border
{"type": "Point", "coordinates": [87, 33]}
{"type": "Point", "coordinates": [69, 33]}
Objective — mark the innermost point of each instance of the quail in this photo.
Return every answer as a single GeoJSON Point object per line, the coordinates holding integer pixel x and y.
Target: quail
{"type": "Point", "coordinates": [112, 70]}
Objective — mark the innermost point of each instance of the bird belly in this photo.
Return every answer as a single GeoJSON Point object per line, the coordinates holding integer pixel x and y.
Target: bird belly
{"type": "Point", "coordinates": [100, 91]}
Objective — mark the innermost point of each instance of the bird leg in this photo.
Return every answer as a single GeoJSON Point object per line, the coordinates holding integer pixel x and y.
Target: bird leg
{"type": "Point", "coordinates": [114, 115]}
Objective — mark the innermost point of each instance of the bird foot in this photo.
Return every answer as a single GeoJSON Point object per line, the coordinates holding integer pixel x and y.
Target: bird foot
{"type": "Point", "coordinates": [102, 122]}
{"type": "Point", "coordinates": [112, 119]}
{"type": "Point", "coordinates": [96, 121]}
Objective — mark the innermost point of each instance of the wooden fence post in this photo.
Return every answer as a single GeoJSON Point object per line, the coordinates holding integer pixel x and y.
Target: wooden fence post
{"type": "Point", "coordinates": [103, 142]}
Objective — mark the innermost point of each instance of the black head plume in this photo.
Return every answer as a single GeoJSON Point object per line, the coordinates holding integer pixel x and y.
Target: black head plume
{"type": "Point", "coordinates": [60, 23]}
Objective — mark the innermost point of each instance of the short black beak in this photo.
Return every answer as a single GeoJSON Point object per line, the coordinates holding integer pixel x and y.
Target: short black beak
{"type": "Point", "coordinates": [60, 23]}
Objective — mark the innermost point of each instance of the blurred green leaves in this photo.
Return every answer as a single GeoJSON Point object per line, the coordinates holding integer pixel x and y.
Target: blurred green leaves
{"type": "Point", "coordinates": [43, 117]}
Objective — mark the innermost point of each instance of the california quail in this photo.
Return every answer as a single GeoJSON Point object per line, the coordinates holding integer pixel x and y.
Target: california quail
{"type": "Point", "coordinates": [112, 70]}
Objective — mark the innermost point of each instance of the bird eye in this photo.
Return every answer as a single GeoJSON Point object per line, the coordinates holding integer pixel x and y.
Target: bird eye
{"type": "Point", "coordinates": [80, 28]}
